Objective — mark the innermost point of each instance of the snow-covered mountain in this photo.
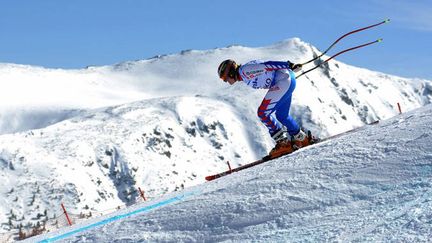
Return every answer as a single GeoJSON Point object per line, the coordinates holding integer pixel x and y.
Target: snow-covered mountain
{"type": "Point", "coordinates": [374, 185]}
{"type": "Point", "coordinates": [89, 138]}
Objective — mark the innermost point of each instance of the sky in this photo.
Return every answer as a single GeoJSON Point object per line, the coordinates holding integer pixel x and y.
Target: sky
{"type": "Point", "coordinates": [76, 34]}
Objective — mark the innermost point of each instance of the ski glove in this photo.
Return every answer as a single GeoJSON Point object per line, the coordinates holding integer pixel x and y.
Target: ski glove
{"type": "Point", "coordinates": [294, 67]}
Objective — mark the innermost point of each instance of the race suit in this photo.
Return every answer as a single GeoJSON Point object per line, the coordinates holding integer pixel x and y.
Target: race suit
{"type": "Point", "coordinates": [280, 81]}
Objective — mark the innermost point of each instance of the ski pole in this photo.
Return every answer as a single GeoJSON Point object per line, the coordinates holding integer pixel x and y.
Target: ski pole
{"type": "Point", "coordinates": [337, 54]}
{"type": "Point", "coordinates": [343, 36]}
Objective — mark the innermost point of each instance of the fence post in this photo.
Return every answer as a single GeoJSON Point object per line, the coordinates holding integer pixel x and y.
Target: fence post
{"type": "Point", "coordinates": [229, 167]}
{"type": "Point", "coordinates": [142, 193]}
{"type": "Point", "coordinates": [399, 107]}
{"type": "Point", "coordinates": [67, 216]}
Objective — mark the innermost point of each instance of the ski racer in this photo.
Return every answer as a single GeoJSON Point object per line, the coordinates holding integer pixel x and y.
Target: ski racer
{"type": "Point", "coordinates": [278, 77]}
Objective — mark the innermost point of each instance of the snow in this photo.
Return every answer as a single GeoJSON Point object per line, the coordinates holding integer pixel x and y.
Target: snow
{"type": "Point", "coordinates": [89, 138]}
{"type": "Point", "coordinates": [373, 185]}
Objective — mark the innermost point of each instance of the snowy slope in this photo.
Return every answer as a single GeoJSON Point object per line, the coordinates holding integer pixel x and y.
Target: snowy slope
{"type": "Point", "coordinates": [96, 161]}
{"type": "Point", "coordinates": [90, 137]}
{"type": "Point", "coordinates": [373, 185]}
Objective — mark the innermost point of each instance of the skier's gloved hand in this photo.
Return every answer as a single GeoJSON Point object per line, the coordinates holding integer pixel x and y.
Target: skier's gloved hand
{"type": "Point", "coordinates": [290, 64]}
{"type": "Point", "coordinates": [294, 67]}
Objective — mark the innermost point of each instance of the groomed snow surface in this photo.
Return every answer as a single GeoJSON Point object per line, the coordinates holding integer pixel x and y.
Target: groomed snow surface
{"type": "Point", "coordinates": [373, 185]}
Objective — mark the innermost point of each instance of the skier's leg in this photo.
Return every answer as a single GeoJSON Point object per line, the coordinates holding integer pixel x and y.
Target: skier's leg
{"type": "Point", "coordinates": [301, 139]}
{"type": "Point", "coordinates": [283, 106]}
{"type": "Point", "coordinates": [265, 113]}
{"type": "Point", "coordinates": [272, 100]}
{"type": "Point", "coordinates": [282, 114]}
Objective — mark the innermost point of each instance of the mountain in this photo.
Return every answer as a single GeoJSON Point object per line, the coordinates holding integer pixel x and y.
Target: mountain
{"type": "Point", "coordinates": [373, 185]}
{"type": "Point", "coordinates": [90, 137]}
{"type": "Point", "coordinates": [35, 97]}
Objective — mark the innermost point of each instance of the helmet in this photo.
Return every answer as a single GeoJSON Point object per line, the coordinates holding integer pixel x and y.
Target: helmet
{"type": "Point", "coordinates": [227, 68]}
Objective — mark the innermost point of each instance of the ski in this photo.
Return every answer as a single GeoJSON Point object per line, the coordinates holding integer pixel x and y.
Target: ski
{"type": "Point", "coordinates": [260, 161]}
{"type": "Point", "coordinates": [269, 158]}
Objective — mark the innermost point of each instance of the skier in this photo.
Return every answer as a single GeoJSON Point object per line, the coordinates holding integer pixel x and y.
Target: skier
{"type": "Point", "coordinates": [278, 77]}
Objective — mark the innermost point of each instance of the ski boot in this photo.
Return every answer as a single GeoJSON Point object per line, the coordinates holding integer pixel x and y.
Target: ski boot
{"type": "Point", "coordinates": [301, 139]}
{"type": "Point", "coordinates": [283, 145]}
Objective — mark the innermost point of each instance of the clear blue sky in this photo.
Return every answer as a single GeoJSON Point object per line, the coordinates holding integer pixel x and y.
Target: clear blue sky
{"type": "Point", "coordinates": [74, 34]}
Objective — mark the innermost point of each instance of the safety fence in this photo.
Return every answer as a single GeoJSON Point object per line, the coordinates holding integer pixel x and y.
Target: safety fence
{"type": "Point", "coordinates": [60, 218]}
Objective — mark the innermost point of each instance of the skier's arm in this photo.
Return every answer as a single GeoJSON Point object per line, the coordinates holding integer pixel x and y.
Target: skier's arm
{"type": "Point", "coordinates": [276, 65]}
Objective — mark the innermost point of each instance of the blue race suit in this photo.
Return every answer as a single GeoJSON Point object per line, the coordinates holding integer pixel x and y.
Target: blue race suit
{"type": "Point", "coordinates": [280, 81]}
